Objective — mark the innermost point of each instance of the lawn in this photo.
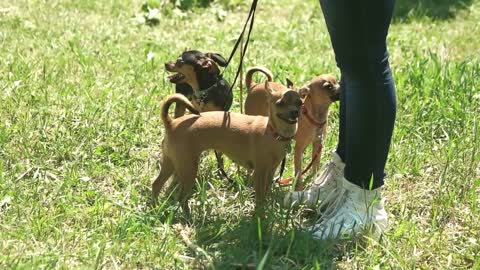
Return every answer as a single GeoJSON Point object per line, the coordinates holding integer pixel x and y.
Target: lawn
{"type": "Point", "coordinates": [81, 84]}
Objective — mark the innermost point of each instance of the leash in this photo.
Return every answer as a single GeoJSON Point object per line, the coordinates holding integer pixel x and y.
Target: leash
{"type": "Point", "coordinates": [319, 126]}
{"type": "Point", "coordinates": [220, 168]}
{"type": "Point", "coordinates": [249, 21]}
{"type": "Point", "coordinates": [243, 50]}
{"type": "Point", "coordinates": [288, 180]}
{"type": "Point", "coordinates": [282, 169]}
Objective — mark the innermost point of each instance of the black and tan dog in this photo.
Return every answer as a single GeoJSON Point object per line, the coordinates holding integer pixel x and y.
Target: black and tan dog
{"type": "Point", "coordinates": [255, 142]}
{"type": "Point", "coordinates": [317, 96]}
{"type": "Point", "coordinates": [197, 76]}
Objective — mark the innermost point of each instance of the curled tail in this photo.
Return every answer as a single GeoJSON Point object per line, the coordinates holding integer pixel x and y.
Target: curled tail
{"type": "Point", "coordinates": [178, 98]}
{"type": "Point", "coordinates": [250, 71]}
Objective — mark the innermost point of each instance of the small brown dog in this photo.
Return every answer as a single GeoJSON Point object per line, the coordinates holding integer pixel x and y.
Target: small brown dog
{"type": "Point", "coordinates": [256, 142]}
{"type": "Point", "coordinates": [317, 97]}
{"type": "Point", "coordinates": [257, 101]}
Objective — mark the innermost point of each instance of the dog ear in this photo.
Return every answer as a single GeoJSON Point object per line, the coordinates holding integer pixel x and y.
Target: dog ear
{"type": "Point", "coordinates": [304, 91]}
{"type": "Point", "coordinates": [289, 83]}
{"type": "Point", "coordinates": [220, 60]}
{"type": "Point", "coordinates": [207, 64]}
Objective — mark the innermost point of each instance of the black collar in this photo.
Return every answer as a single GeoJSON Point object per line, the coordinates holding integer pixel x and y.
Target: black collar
{"type": "Point", "coordinates": [201, 94]}
{"type": "Point", "coordinates": [219, 82]}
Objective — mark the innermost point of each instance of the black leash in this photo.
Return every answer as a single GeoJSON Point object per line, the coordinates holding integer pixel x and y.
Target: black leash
{"type": "Point", "coordinates": [250, 19]}
{"type": "Point", "coordinates": [220, 167]}
{"type": "Point", "coordinates": [282, 169]}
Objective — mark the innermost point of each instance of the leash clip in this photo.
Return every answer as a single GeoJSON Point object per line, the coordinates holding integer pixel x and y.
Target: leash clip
{"type": "Point", "coordinates": [288, 148]}
{"type": "Point", "coordinates": [319, 135]}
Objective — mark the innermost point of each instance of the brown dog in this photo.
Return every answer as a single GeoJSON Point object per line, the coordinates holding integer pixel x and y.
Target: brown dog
{"type": "Point", "coordinates": [256, 142]}
{"type": "Point", "coordinates": [257, 101]}
{"type": "Point", "coordinates": [317, 97]}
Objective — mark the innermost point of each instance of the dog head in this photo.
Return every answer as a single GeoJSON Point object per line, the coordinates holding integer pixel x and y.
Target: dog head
{"type": "Point", "coordinates": [284, 109]}
{"type": "Point", "coordinates": [323, 89]}
{"type": "Point", "coordinates": [199, 70]}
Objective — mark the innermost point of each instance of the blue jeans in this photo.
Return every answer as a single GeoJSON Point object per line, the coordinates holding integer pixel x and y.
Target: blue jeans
{"type": "Point", "coordinates": [358, 31]}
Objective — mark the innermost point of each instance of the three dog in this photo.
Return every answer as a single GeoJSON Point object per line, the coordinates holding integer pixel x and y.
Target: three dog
{"type": "Point", "coordinates": [255, 142]}
{"type": "Point", "coordinates": [317, 96]}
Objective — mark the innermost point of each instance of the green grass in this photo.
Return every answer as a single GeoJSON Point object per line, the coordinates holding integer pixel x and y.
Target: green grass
{"type": "Point", "coordinates": [80, 138]}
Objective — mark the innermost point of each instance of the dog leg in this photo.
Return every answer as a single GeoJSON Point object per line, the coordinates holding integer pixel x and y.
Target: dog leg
{"type": "Point", "coordinates": [298, 156]}
{"type": "Point", "coordinates": [187, 171]}
{"type": "Point", "coordinates": [316, 154]}
{"type": "Point", "coordinates": [268, 181]}
{"type": "Point", "coordinates": [165, 172]}
{"type": "Point", "coordinates": [260, 176]}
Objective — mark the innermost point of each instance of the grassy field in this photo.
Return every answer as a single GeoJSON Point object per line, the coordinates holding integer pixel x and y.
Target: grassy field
{"type": "Point", "coordinates": [80, 132]}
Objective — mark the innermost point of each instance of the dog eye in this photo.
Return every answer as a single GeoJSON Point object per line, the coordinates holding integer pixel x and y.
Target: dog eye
{"type": "Point", "coordinates": [180, 61]}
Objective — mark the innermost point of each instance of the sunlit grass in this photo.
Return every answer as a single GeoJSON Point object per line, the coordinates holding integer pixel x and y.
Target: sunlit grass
{"type": "Point", "coordinates": [80, 138]}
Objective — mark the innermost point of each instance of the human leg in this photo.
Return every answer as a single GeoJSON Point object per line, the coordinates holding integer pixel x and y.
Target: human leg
{"type": "Point", "coordinates": [358, 33]}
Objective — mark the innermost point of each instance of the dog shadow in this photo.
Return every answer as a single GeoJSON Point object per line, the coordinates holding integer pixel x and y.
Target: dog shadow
{"type": "Point", "coordinates": [278, 241]}
{"type": "Point", "coordinates": [434, 9]}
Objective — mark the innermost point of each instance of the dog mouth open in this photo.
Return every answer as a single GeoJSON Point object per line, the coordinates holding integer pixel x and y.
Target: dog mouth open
{"type": "Point", "coordinates": [176, 78]}
{"type": "Point", "coordinates": [289, 119]}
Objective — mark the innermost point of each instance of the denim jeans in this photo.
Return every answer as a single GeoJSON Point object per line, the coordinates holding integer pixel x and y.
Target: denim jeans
{"type": "Point", "coordinates": [358, 31]}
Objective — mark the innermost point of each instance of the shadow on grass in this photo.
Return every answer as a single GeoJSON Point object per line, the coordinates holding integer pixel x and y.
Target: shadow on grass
{"type": "Point", "coordinates": [236, 240]}
{"type": "Point", "coordinates": [406, 10]}
{"type": "Point", "coordinates": [248, 245]}
{"type": "Point", "coordinates": [275, 242]}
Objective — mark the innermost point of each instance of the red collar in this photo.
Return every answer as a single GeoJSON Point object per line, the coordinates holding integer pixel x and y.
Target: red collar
{"type": "Point", "coordinates": [277, 136]}
{"type": "Point", "coordinates": [310, 118]}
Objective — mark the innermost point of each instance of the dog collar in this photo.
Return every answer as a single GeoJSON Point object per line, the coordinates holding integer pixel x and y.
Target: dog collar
{"type": "Point", "coordinates": [277, 136]}
{"type": "Point", "coordinates": [220, 82]}
{"type": "Point", "coordinates": [310, 118]}
{"type": "Point", "coordinates": [202, 94]}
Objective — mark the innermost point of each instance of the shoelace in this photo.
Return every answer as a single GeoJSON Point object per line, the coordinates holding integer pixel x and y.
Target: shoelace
{"type": "Point", "coordinates": [332, 199]}
{"type": "Point", "coordinates": [330, 215]}
{"type": "Point", "coordinates": [331, 221]}
{"type": "Point", "coordinates": [340, 201]}
{"type": "Point", "coordinates": [329, 167]}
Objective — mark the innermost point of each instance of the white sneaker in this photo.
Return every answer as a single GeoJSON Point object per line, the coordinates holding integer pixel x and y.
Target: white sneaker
{"type": "Point", "coordinates": [354, 211]}
{"type": "Point", "coordinates": [324, 187]}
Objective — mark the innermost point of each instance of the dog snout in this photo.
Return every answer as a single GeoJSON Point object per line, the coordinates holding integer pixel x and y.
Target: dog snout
{"type": "Point", "coordinates": [336, 93]}
{"type": "Point", "coordinates": [293, 114]}
{"type": "Point", "coordinates": [169, 66]}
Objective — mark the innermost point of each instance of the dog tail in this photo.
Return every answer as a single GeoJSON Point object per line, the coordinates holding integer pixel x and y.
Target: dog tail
{"type": "Point", "coordinates": [250, 71]}
{"type": "Point", "coordinates": [177, 98]}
